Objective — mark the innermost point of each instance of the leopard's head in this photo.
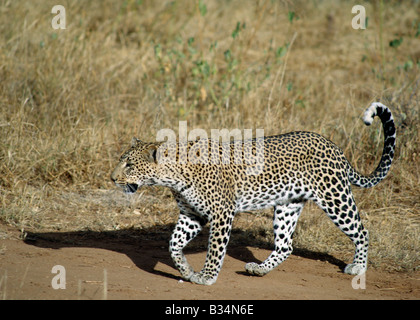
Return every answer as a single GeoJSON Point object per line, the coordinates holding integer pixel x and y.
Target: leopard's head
{"type": "Point", "coordinates": [137, 166]}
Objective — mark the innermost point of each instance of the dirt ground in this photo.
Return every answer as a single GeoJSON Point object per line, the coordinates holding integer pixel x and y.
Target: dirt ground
{"type": "Point", "coordinates": [139, 267]}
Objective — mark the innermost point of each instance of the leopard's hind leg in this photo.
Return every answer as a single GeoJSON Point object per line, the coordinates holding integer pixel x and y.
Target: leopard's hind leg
{"type": "Point", "coordinates": [284, 224]}
{"type": "Point", "coordinates": [342, 210]}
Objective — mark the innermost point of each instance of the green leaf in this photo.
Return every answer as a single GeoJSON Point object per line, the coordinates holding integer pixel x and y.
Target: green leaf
{"type": "Point", "coordinates": [408, 65]}
{"type": "Point", "coordinates": [228, 55]}
{"type": "Point", "coordinates": [202, 8]}
{"type": "Point", "coordinates": [158, 50]}
{"type": "Point", "coordinates": [396, 42]}
{"type": "Point", "coordinates": [236, 31]}
{"type": "Point", "coordinates": [280, 52]}
{"type": "Point", "coordinates": [213, 46]}
{"type": "Point", "coordinates": [290, 16]}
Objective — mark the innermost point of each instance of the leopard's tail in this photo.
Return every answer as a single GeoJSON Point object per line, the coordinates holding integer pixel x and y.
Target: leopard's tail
{"type": "Point", "coordinates": [383, 112]}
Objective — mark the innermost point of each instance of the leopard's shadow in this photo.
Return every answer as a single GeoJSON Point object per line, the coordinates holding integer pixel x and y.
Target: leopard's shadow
{"type": "Point", "coordinates": [147, 247]}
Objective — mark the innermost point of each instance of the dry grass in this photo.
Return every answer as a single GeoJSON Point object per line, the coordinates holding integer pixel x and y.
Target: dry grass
{"type": "Point", "coordinates": [70, 101]}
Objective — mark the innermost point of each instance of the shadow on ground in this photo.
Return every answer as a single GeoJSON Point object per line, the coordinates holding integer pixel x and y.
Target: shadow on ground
{"type": "Point", "coordinates": [147, 247]}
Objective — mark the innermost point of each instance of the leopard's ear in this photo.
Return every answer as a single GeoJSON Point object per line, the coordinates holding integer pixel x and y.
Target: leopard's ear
{"type": "Point", "coordinates": [152, 153]}
{"type": "Point", "coordinates": [134, 141]}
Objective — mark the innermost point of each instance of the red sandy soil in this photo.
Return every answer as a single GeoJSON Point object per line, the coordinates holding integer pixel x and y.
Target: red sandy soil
{"type": "Point", "coordinates": [139, 267]}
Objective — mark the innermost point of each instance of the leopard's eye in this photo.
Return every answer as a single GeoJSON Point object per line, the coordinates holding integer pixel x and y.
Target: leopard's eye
{"type": "Point", "coordinates": [129, 165]}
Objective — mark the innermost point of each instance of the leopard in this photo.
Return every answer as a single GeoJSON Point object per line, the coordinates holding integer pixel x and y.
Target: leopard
{"type": "Point", "coordinates": [292, 169]}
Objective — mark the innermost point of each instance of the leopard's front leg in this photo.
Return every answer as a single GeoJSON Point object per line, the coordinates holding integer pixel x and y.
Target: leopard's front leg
{"type": "Point", "coordinates": [187, 227]}
{"type": "Point", "coordinates": [221, 226]}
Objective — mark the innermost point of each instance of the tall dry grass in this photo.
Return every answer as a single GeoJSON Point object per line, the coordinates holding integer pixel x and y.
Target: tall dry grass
{"type": "Point", "coordinates": [71, 100]}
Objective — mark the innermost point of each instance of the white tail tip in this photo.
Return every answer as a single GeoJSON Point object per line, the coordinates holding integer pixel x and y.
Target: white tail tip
{"type": "Point", "coordinates": [370, 112]}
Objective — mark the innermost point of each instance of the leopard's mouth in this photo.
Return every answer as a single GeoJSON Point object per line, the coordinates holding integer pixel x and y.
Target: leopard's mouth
{"type": "Point", "coordinates": [129, 188]}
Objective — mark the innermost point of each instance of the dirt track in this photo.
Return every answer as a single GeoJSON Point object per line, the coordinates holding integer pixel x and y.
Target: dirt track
{"type": "Point", "coordinates": [141, 268]}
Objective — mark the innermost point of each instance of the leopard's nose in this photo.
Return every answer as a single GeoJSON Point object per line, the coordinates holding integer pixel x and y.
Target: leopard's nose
{"type": "Point", "coordinates": [113, 176]}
